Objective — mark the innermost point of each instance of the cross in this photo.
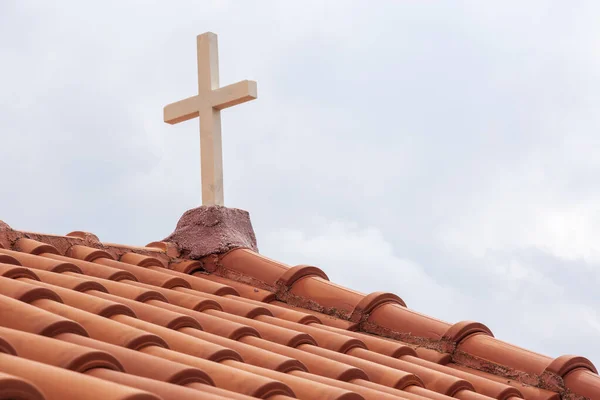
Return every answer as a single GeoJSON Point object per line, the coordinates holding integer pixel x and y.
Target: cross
{"type": "Point", "coordinates": [207, 105]}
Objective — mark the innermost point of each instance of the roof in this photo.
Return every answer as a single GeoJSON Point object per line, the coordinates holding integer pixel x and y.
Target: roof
{"type": "Point", "coordinates": [80, 318]}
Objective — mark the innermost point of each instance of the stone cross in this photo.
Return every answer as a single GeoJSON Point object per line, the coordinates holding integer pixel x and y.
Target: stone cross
{"type": "Point", "coordinates": [207, 105]}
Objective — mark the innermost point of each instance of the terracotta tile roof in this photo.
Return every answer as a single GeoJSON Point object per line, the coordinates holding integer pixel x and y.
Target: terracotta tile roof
{"type": "Point", "coordinates": [84, 319]}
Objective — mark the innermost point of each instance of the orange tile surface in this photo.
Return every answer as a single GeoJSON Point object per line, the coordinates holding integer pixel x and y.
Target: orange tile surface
{"type": "Point", "coordinates": [82, 319]}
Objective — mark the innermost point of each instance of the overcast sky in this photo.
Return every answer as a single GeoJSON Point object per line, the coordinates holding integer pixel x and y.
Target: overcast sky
{"type": "Point", "coordinates": [444, 151]}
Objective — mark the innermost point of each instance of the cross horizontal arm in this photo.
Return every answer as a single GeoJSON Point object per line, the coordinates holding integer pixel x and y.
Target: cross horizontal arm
{"type": "Point", "coordinates": [234, 94]}
{"type": "Point", "coordinates": [182, 110]}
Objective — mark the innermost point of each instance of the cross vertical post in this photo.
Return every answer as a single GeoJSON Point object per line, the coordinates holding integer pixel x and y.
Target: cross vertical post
{"type": "Point", "coordinates": [207, 105]}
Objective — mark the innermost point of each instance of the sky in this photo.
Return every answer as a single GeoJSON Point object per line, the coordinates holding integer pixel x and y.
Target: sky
{"type": "Point", "coordinates": [443, 151]}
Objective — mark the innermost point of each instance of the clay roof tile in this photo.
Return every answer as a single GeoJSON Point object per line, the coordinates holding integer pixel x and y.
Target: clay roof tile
{"type": "Point", "coordinates": [58, 383]}
{"type": "Point", "coordinates": [186, 266]}
{"type": "Point", "coordinates": [183, 342]}
{"type": "Point", "coordinates": [307, 316]}
{"type": "Point", "coordinates": [331, 340]}
{"type": "Point", "coordinates": [288, 314]}
{"type": "Point", "coordinates": [85, 253]}
{"type": "Point", "coordinates": [34, 247]}
{"type": "Point", "coordinates": [314, 363]}
{"type": "Point", "coordinates": [562, 365]}
{"type": "Point", "coordinates": [197, 282]}
{"type": "Point", "coordinates": [94, 269]}
{"type": "Point", "coordinates": [141, 260]}
{"type": "Point", "coordinates": [21, 289]}
{"type": "Point", "coordinates": [484, 386]}
{"type": "Point", "coordinates": [227, 394]}
{"type": "Point", "coordinates": [42, 263]}
{"type": "Point", "coordinates": [5, 347]}
{"type": "Point", "coordinates": [70, 280]}
{"type": "Point", "coordinates": [6, 259]}
{"type": "Point", "coordinates": [377, 373]}
{"type": "Point", "coordinates": [489, 349]}
{"type": "Point", "coordinates": [14, 271]}
{"type": "Point", "coordinates": [230, 304]}
{"type": "Point", "coordinates": [186, 300]}
{"type": "Point", "coordinates": [150, 313]}
{"type": "Point", "coordinates": [166, 391]}
{"type": "Point", "coordinates": [142, 364]}
{"type": "Point", "coordinates": [224, 375]}
{"type": "Point", "coordinates": [146, 275]}
{"type": "Point", "coordinates": [410, 323]}
{"type": "Point", "coordinates": [303, 388]}
{"type": "Point", "coordinates": [123, 289]}
{"type": "Point", "coordinates": [58, 353]}
{"type": "Point", "coordinates": [528, 391]}
{"type": "Point", "coordinates": [16, 388]}
{"type": "Point", "coordinates": [250, 354]}
{"type": "Point", "coordinates": [83, 235]}
{"type": "Point", "coordinates": [273, 333]}
{"type": "Point", "coordinates": [583, 382]}
{"type": "Point", "coordinates": [433, 379]}
{"type": "Point", "coordinates": [105, 329]}
{"type": "Point", "coordinates": [250, 264]}
{"type": "Point", "coordinates": [293, 274]}
{"type": "Point", "coordinates": [387, 347]}
{"type": "Point", "coordinates": [87, 302]}
{"type": "Point", "coordinates": [212, 324]}
{"type": "Point", "coordinates": [169, 248]}
{"type": "Point", "coordinates": [24, 317]}
{"type": "Point", "coordinates": [245, 290]}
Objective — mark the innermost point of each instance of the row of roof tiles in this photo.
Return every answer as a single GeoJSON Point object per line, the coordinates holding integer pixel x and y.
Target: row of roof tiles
{"type": "Point", "coordinates": [138, 322]}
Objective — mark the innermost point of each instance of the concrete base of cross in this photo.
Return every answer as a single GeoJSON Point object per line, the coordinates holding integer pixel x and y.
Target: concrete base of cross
{"type": "Point", "coordinates": [209, 230]}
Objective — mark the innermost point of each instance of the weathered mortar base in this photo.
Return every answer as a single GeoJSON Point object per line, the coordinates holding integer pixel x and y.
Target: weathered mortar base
{"type": "Point", "coordinates": [209, 230]}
